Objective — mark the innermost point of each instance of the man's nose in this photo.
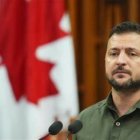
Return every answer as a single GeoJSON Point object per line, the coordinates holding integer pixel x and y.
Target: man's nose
{"type": "Point", "coordinates": [122, 59]}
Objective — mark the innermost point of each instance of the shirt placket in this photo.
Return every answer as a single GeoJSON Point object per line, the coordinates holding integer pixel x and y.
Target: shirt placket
{"type": "Point", "coordinates": [116, 130]}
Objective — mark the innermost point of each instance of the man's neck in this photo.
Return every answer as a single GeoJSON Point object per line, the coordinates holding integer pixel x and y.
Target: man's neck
{"type": "Point", "coordinates": [124, 101]}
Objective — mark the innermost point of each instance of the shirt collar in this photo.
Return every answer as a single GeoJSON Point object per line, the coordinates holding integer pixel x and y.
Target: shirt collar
{"type": "Point", "coordinates": [110, 104]}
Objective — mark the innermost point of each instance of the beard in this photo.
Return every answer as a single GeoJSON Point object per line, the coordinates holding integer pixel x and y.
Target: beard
{"type": "Point", "coordinates": [129, 85]}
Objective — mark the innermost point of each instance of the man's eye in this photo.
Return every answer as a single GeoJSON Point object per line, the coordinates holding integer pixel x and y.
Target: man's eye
{"type": "Point", "coordinates": [113, 53]}
{"type": "Point", "coordinates": [132, 54]}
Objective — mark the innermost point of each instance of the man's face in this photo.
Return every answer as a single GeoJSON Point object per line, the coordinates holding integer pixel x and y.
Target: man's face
{"type": "Point", "coordinates": [122, 61]}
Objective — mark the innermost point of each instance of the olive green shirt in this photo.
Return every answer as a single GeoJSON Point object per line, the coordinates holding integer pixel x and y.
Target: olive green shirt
{"type": "Point", "coordinates": [101, 122]}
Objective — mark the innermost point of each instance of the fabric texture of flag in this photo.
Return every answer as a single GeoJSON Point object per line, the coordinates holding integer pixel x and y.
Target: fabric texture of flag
{"type": "Point", "coordinates": [37, 73]}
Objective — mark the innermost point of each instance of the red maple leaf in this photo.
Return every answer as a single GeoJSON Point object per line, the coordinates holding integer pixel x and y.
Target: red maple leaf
{"type": "Point", "coordinates": [26, 26]}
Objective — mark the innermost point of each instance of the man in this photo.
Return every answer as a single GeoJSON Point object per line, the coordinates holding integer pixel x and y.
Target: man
{"type": "Point", "coordinates": [118, 116]}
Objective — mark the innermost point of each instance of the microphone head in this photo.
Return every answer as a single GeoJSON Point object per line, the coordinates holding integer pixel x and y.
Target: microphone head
{"type": "Point", "coordinates": [75, 126]}
{"type": "Point", "coordinates": [55, 128]}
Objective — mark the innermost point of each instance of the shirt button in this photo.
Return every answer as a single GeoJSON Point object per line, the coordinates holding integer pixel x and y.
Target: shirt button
{"type": "Point", "coordinates": [118, 123]}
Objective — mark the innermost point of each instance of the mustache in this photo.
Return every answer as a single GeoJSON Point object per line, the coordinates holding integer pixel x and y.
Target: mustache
{"type": "Point", "coordinates": [120, 69]}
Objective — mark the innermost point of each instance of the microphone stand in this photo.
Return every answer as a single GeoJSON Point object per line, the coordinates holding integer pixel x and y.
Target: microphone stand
{"type": "Point", "coordinates": [67, 136]}
{"type": "Point", "coordinates": [44, 137]}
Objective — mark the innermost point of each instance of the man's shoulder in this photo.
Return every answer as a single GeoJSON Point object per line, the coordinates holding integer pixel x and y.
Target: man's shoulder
{"type": "Point", "coordinates": [93, 109]}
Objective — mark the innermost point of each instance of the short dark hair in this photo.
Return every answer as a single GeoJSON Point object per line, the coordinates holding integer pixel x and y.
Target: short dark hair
{"type": "Point", "coordinates": [125, 27]}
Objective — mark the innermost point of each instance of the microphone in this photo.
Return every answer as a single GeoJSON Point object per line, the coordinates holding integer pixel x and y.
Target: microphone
{"type": "Point", "coordinates": [53, 129]}
{"type": "Point", "coordinates": [74, 127]}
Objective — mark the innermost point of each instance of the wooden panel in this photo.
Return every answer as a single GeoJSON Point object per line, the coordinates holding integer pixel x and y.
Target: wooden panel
{"type": "Point", "coordinates": [133, 10]}
{"type": "Point", "coordinates": [91, 22]}
{"type": "Point", "coordinates": [89, 54]}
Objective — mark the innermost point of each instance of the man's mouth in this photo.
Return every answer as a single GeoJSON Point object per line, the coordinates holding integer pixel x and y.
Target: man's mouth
{"type": "Point", "coordinates": [121, 72]}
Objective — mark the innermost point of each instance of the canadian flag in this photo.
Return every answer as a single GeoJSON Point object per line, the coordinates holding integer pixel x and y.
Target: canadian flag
{"type": "Point", "coordinates": [37, 73]}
